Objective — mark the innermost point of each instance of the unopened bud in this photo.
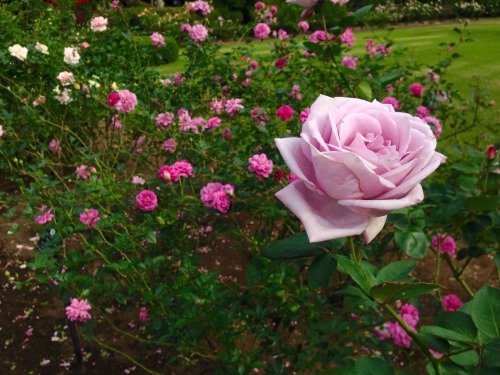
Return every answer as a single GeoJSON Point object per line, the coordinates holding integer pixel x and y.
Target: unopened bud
{"type": "Point", "coordinates": [491, 152]}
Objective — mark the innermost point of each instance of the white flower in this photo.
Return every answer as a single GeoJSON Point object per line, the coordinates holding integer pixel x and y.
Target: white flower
{"type": "Point", "coordinates": [19, 52]}
{"type": "Point", "coordinates": [63, 96]}
{"type": "Point", "coordinates": [71, 56]}
{"type": "Point", "coordinates": [42, 48]}
{"type": "Point", "coordinates": [66, 78]}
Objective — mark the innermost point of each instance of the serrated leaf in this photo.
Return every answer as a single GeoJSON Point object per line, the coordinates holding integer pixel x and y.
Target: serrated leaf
{"type": "Point", "coordinates": [296, 246]}
{"type": "Point", "coordinates": [359, 273]}
{"type": "Point", "coordinates": [321, 271]}
{"type": "Point", "coordinates": [388, 292]}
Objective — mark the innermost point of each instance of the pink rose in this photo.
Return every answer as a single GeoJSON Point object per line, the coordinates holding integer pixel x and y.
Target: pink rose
{"type": "Point", "coordinates": [261, 31]}
{"type": "Point", "coordinates": [451, 302]}
{"type": "Point", "coordinates": [356, 161]}
{"type": "Point", "coordinates": [146, 200]}
{"type": "Point", "coordinates": [416, 89]}
{"type": "Point", "coordinates": [284, 112]}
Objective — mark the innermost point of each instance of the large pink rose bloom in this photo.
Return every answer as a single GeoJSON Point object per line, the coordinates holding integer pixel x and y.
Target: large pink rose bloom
{"type": "Point", "coordinates": [356, 161]}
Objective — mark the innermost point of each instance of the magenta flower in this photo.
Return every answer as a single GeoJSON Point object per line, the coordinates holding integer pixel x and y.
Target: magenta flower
{"type": "Point", "coordinates": [392, 101]}
{"type": "Point", "coordinates": [115, 121]}
{"type": "Point", "coordinates": [304, 114]}
{"type": "Point", "coordinates": [303, 25]}
{"type": "Point", "coordinates": [77, 311]}
{"type": "Point", "coordinates": [416, 89]}
{"type": "Point", "coordinates": [233, 106]}
{"type": "Point", "coordinates": [143, 314]}
{"type": "Point", "coordinates": [261, 31]}
{"type": "Point", "coordinates": [451, 302]}
{"type": "Point", "coordinates": [198, 33]}
{"type": "Point", "coordinates": [115, 4]}
{"type": "Point", "coordinates": [260, 165]}
{"type": "Point", "coordinates": [398, 335]}
{"type": "Point", "coordinates": [157, 40]}
{"type": "Point", "coordinates": [281, 62]}
{"type": "Point", "coordinates": [212, 123]}
{"type": "Point", "coordinates": [423, 111]}
{"type": "Point", "coordinates": [436, 127]}
{"type": "Point", "coordinates": [90, 217]}
{"type": "Point", "coordinates": [45, 217]}
{"type": "Point", "coordinates": [347, 37]}
{"type": "Point", "coordinates": [284, 112]}
{"type": "Point", "coordinates": [169, 145]}
{"type": "Point", "coordinates": [226, 133]}
{"type": "Point", "coordinates": [199, 6]}
{"type": "Point", "coordinates": [113, 98]}
{"type": "Point", "coordinates": [445, 243]}
{"type": "Point", "coordinates": [350, 62]}
{"type": "Point", "coordinates": [185, 27]}
{"type": "Point", "coordinates": [282, 35]}
{"type": "Point", "coordinates": [216, 195]}
{"type": "Point", "coordinates": [318, 36]}
{"type": "Point", "coordinates": [127, 101]}
{"type": "Point", "coordinates": [259, 6]}
{"type": "Point", "coordinates": [146, 200]}
{"type": "Point", "coordinates": [55, 146]}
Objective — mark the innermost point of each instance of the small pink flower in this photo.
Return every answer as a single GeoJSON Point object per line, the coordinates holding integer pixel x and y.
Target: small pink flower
{"type": "Point", "coordinates": [157, 40]}
{"type": "Point", "coordinates": [66, 78]}
{"type": "Point", "coordinates": [168, 174]}
{"type": "Point", "coordinates": [146, 200]}
{"type": "Point", "coordinates": [416, 89]}
{"type": "Point", "coordinates": [282, 35]}
{"type": "Point", "coordinates": [169, 145]}
{"type": "Point", "coordinates": [318, 36]}
{"type": "Point", "coordinates": [185, 27]}
{"type": "Point", "coordinates": [114, 5]}
{"type": "Point", "coordinates": [435, 124]}
{"type": "Point", "coordinates": [491, 152]}
{"type": "Point", "coordinates": [45, 217]}
{"type": "Point", "coordinates": [115, 121]}
{"type": "Point", "coordinates": [164, 120]}
{"type": "Point", "coordinates": [398, 335]}
{"type": "Point", "coordinates": [259, 6]}
{"type": "Point", "coordinates": [347, 37]}
{"type": "Point", "coordinates": [99, 24]}
{"type": "Point", "coordinates": [284, 112]}
{"type": "Point", "coordinates": [198, 33]}
{"type": "Point", "coordinates": [55, 146]}
{"type": "Point", "coordinates": [445, 243]}
{"type": "Point", "coordinates": [136, 180]}
{"type": "Point", "coordinates": [281, 62]}
{"type": "Point", "coordinates": [82, 173]}
{"type": "Point", "coordinates": [77, 311]}
{"type": "Point", "coordinates": [85, 45]}
{"type": "Point", "coordinates": [217, 106]}
{"type": "Point", "coordinates": [451, 302]}
{"type": "Point", "coordinates": [143, 314]}
{"type": "Point", "coordinates": [423, 111]}
{"type": "Point", "coordinates": [253, 65]}
{"type": "Point", "coordinates": [392, 101]}
{"type": "Point", "coordinates": [261, 31]}
{"type": "Point", "coordinates": [127, 101]}
{"type": "Point", "coordinates": [90, 217]}
{"type": "Point", "coordinates": [260, 165]}
{"type": "Point", "coordinates": [233, 106]}
{"type": "Point", "coordinates": [304, 114]}
{"type": "Point", "coordinates": [212, 123]}
{"type": "Point", "coordinates": [226, 133]}
{"type": "Point", "coordinates": [350, 62]}
{"type": "Point", "coordinates": [292, 178]}
{"type": "Point", "coordinates": [431, 76]}
{"type": "Point", "coordinates": [303, 25]}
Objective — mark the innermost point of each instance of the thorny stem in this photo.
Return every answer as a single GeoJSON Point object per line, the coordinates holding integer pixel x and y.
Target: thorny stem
{"type": "Point", "coordinates": [415, 338]}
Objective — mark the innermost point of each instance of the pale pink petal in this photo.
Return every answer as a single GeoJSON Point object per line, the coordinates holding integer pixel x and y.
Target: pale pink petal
{"type": "Point", "coordinates": [291, 151]}
{"type": "Point", "coordinates": [322, 217]}
{"type": "Point", "coordinates": [381, 207]}
{"type": "Point", "coordinates": [374, 227]}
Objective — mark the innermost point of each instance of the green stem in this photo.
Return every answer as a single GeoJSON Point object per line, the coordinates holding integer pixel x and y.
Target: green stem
{"type": "Point", "coordinates": [415, 338]}
{"type": "Point", "coordinates": [357, 255]}
{"type": "Point", "coordinates": [458, 277]}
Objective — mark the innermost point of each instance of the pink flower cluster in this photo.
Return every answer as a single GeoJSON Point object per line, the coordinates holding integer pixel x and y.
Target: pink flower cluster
{"type": "Point", "coordinates": [410, 315]}
{"type": "Point", "coordinates": [261, 165]}
{"type": "Point", "coordinates": [172, 173]}
{"type": "Point", "coordinates": [45, 217]}
{"type": "Point", "coordinates": [90, 217]}
{"type": "Point", "coordinates": [197, 33]}
{"type": "Point", "coordinates": [77, 311]}
{"type": "Point", "coordinates": [262, 31]}
{"type": "Point", "coordinates": [259, 116]}
{"type": "Point", "coordinates": [350, 62]}
{"type": "Point", "coordinates": [379, 49]}
{"type": "Point", "coordinates": [216, 195]}
{"type": "Point", "coordinates": [347, 37]}
{"type": "Point", "coordinates": [199, 6]}
{"type": "Point", "coordinates": [123, 100]}
{"type": "Point", "coordinates": [164, 120]}
{"type": "Point", "coordinates": [445, 243]}
{"type": "Point", "coordinates": [233, 106]}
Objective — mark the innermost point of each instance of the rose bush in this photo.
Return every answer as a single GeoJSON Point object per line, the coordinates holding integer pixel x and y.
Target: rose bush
{"type": "Point", "coordinates": [356, 161]}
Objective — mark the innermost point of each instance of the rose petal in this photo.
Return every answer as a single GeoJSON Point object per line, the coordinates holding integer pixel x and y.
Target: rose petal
{"type": "Point", "coordinates": [357, 123]}
{"type": "Point", "coordinates": [322, 217]}
{"type": "Point", "coordinates": [381, 207]}
{"type": "Point", "coordinates": [374, 228]}
{"type": "Point", "coordinates": [299, 164]}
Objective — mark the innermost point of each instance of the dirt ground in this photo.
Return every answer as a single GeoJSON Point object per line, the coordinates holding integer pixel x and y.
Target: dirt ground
{"type": "Point", "coordinates": [34, 335]}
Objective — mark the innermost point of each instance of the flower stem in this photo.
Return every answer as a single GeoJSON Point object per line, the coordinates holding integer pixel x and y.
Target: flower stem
{"type": "Point", "coordinates": [356, 254]}
{"type": "Point", "coordinates": [415, 338]}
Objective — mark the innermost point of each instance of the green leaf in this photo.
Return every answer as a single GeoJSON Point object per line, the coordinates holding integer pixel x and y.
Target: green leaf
{"type": "Point", "coordinates": [485, 311]}
{"type": "Point", "coordinates": [362, 11]}
{"type": "Point", "coordinates": [466, 167]}
{"type": "Point", "coordinates": [388, 292]}
{"type": "Point", "coordinates": [413, 244]}
{"type": "Point", "coordinates": [459, 322]}
{"type": "Point", "coordinates": [359, 272]}
{"type": "Point", "coordinates": [390, 77]}
{"type": "Point", "coordinates": [321, 271]}
{"type": "Point", "coordinates": [496, 259]}
{"type": "Point", "coordinates": [436, 343]}
{"type": "Point", "coordinates": [373, 366]}
{"type": "Point", "coordinates": [445, 333]}
{"type": "Point", "coordinates": [395, 271]}
{"type": "Point", "coordinates": [295, 246]}
{"type": "Point", "coordinates": [363, 90]}
{"type": "Point", "coordinates": [468, 358]}
{"type": "Point", "coordinates": [401, 221]}
{"type": "Point", "coordinates": [482, 203]}
{"type": "Point", "coordinates": [315, 47]}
